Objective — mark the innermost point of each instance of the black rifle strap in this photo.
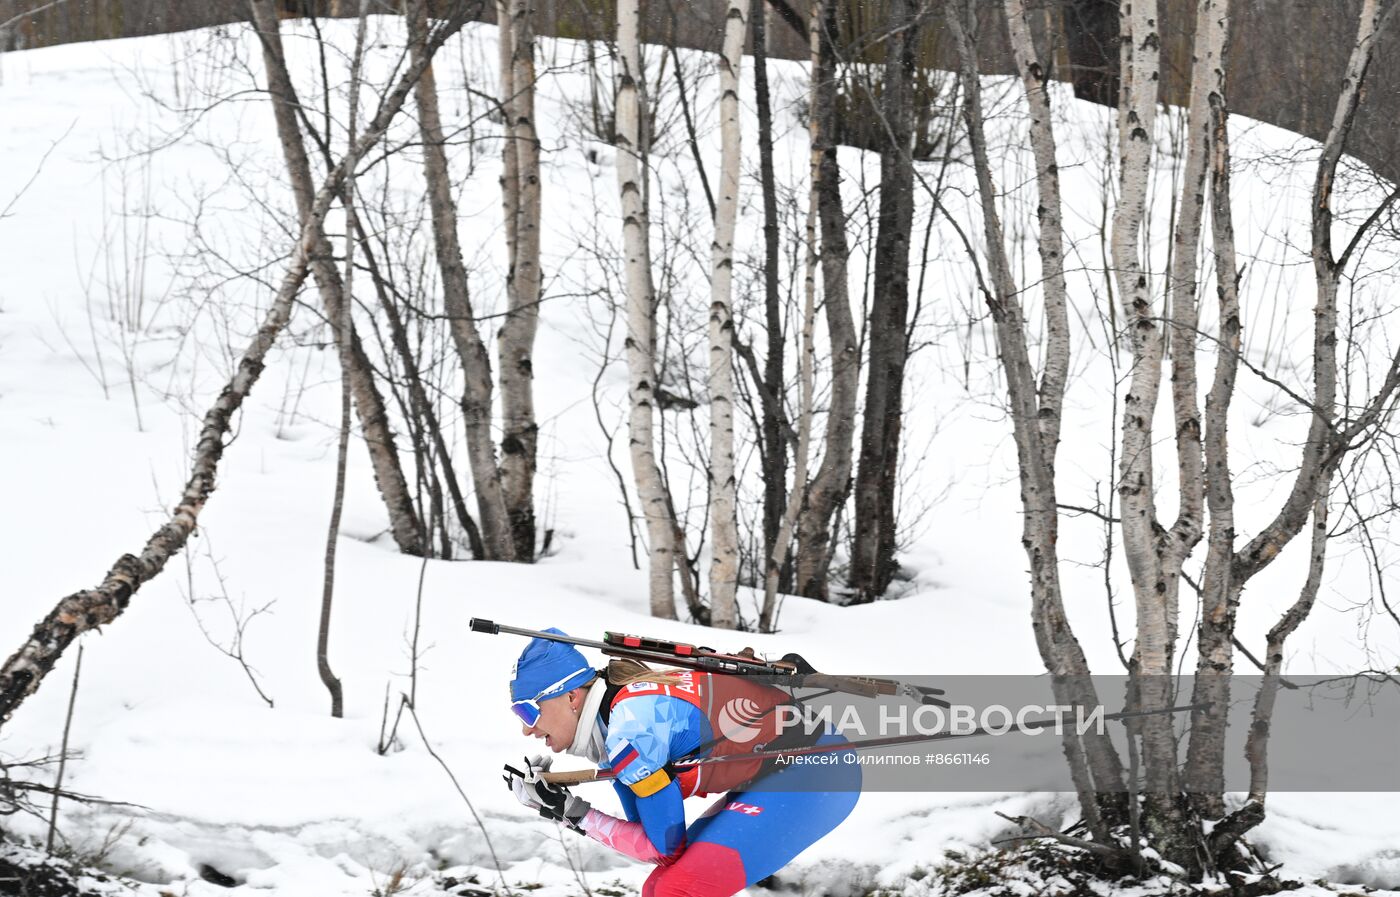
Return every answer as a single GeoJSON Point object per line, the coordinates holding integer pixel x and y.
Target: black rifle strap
{"type": "Point", "coordinates": [610, 692]}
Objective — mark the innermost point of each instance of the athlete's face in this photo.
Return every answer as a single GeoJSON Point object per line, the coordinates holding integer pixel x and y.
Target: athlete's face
{"type": "Point", "coordinates": [558, 720]}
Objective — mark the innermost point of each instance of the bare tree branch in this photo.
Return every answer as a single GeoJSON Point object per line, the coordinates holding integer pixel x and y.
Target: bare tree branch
{"type": "Point", "coordinates": [22, 673]}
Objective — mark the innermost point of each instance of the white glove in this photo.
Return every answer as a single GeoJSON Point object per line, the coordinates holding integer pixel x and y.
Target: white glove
{"type": "Point", "coordinates": [527, 785]}
{"type": "Point", "coordinates": [550, 801]}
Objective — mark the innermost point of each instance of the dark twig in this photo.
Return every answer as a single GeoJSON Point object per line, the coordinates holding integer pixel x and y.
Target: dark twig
{"type": "Point", "coordinates": [1195, 587]}
{"type": "Point", "coordinates": [1092, 512]}
{"type": "Point", "coordinates": [427, 745]}
{"type": "Point", "coordinates": [38, 169]}
{"type": "Point", "coordinates": [63, 751]}
{"type": "Point", "coordinates": [771, 404]}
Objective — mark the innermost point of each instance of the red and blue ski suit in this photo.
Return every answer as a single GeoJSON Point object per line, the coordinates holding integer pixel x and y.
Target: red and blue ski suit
{"type": "Point", "coordinates": [749, 833]}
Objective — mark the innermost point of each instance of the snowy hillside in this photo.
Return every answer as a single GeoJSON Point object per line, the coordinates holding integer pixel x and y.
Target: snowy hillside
{"type": "Point", "coordinates": [131, 270]}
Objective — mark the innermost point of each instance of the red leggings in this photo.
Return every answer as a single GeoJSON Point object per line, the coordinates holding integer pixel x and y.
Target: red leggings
{"type": "Point", "coordinates": [749, 835]}
{"type": "Point", "coordinates": [703, 870]}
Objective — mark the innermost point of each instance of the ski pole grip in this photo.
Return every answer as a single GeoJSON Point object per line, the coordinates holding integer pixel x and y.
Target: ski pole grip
{"type": "Point", "coordinates": [479, 625]}
{"type": "Point", "coordinates": [571, 777]}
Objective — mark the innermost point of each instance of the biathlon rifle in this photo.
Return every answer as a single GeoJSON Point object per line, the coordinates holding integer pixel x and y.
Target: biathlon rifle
{"type": "Point", "coordinates": [792, 669]}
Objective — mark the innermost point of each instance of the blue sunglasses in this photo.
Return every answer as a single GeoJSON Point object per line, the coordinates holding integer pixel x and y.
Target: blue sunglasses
{"type": "Point", "coordinates": [528, 710]}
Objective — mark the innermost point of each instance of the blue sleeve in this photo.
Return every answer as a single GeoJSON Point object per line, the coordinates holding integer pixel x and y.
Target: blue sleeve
{"type": "Point", "coordinates": [663, 818]}
{"type": "Point", "coordinates": [646, 732]}
{"type": "Point", "coordinates": [629, 801]}
{"type": "Point", "coordinates": [662, 814]}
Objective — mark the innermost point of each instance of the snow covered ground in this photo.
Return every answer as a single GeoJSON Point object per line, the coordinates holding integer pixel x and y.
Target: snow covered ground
{"type": "Point", "coordinates": [291, 802]}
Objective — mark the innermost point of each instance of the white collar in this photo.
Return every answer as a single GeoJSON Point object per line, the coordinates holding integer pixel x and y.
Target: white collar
{"type": "Point", "coordinates": [588, 736]}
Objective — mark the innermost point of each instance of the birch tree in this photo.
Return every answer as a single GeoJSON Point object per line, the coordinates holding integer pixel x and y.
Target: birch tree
{"type": "Point", "coordinates": [1154, 555]}
{"type": "Point", "coordinates": [407, 529]}
{"type": "Point", "coordinates": [456, 296]}
{"type": "Point", "coordinates": [1176, 808]}
{"type": "Point", "coordinates": [630, 110]}
{"type": "Point", "coordinates": [521, 191]}
{"type": "Point", "coordinates": [724, 523]}
{"type": "Point", "coordinates": [831, 484]}
{"type": "Point", "coordinates": [1036, 405]}
{"type": "Point", "coordinates": [1329, 441]}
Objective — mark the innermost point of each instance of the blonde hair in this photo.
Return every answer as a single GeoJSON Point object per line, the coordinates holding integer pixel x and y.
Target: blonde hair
{"type": "Point", "coordinates": [625, 671]}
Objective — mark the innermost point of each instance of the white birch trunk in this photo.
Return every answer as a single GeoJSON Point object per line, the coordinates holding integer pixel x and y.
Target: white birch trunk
{"type": "Point", "coordinates": [1051, 239]}
{"type": "Point", "coordinates": [724, 557]}
{"type": "Point", "coordinates": [1206, 142]}
{"type": "Point", "coordinates": [510, 169]}
{"type": "Point", "coordinates": [640, 342]}
{"type": "Point", "coordinates": [1136, 120]}
{"type": "Point", "coordinates": [1038, 415]}
{"type": "Point", "coordinates": [521, 187]}
{"type": "Point", "coordinates": [1095, 764]}
{"type": "Point", "coordinates": [1322, 453]}
{"type": "Point", "coordinates": [1207, 80]}
{"type": "Point", "coordinates": [1151, 583]}
{"type": "Point", "coordinates": [1204, 774]}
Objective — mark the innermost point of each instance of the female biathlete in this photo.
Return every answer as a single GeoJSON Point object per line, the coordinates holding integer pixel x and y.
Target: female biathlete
{"type": "Point", "coordinates": [636, 722]}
